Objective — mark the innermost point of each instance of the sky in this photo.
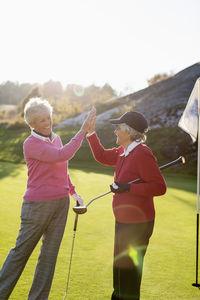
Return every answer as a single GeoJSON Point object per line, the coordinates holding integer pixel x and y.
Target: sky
{"type": "Point", "coordinates": [120, 42]}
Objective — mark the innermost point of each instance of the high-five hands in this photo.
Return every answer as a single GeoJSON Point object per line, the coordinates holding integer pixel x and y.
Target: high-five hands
{"type": "Point", "coordinates": [89, 121]}
{"type": "Point", "coordinates": [92, 126]}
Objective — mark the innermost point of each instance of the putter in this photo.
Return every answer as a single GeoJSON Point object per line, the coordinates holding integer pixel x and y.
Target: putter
{"type": "Point", "coordinates": [83, 209]}
{"type": "Point", "coordinates": [70, 262]}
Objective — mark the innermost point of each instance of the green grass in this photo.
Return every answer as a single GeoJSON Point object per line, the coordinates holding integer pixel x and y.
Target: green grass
{"type": "Point", "coordinates": [166, 143]}
{"type": "Point", "coordinates": [169, 268]}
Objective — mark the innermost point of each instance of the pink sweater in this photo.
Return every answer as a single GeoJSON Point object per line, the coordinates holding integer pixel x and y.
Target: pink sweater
{"type": "Point", "coordinates": [47, 164]}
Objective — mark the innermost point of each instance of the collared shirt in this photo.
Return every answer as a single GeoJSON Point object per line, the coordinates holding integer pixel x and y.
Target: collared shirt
{"type": "Point", "coordinates": [43, 138]}
{"type": "Point", "coordinates": [130, 148]}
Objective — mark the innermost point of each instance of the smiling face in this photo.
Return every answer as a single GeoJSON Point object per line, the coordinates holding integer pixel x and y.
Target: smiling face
{"type": "Point", "coordinates": [123, 137]}
{"type": "Point", "coordinates": [42, 123]}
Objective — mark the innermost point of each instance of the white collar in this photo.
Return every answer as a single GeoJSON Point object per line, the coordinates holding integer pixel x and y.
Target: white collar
{"type": "Point", "coordinates": [130, 148]}
{"type": "Point", "coordinates": [43, 138]}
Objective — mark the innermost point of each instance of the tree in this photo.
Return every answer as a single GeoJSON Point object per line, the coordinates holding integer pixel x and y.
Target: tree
{"type": "Point", "coordinates": [158, 77]}
{"type": "Point", "coordinates": [52, 90]}
{"type": "Point", "coordinates": [35, 92]}
{"type": "Point", "coordinates": [13, 92]}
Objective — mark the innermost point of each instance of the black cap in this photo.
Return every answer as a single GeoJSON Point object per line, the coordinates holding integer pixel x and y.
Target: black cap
{"type": "Point", "coordinates": [133, 119]}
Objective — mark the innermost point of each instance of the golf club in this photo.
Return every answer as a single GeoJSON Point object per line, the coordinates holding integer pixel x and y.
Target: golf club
{"type": "Point", "coordinates": [83, 209]}
{"type": "Point", "coordinates": [70, 262]}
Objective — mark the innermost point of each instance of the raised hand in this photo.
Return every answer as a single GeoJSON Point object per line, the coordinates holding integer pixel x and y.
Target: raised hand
{"type": "Point", "coordinates": [92, 126]}
{"type": "Point", "coordinates": [91, 117]}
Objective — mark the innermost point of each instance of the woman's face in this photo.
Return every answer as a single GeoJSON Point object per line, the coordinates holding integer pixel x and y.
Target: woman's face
{"type": "Point", "coordinates": [123, 137]}
{"type": "Point", "coordinates": [42, 123]}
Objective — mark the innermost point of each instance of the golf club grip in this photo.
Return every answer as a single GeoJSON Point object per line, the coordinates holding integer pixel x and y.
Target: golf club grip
{"type": "Point", "coordinates": [181, 159]}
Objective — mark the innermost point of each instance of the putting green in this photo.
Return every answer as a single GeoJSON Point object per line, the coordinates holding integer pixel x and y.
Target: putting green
{"type": "Point", "coordinates": [169, 267]}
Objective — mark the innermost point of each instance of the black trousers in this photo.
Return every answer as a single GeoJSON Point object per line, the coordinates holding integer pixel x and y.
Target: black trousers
{"type": "Point", "coordinates": [131, 241]}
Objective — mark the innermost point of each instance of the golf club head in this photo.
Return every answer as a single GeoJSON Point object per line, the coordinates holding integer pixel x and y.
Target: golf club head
{"type": "Point", "coordinates": [80, 209]}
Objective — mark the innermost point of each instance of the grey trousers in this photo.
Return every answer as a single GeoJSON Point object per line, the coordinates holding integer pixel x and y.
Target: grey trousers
{"type": "Point", "coordinates": [38, 219]}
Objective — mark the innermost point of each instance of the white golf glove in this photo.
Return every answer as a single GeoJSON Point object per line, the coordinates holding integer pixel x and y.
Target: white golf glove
{"type": "Point", "coordinates": [78, 199]}
{"type": "Point", "coordinates": [115, 186]}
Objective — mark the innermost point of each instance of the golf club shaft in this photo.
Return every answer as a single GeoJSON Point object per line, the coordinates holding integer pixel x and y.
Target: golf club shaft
{"type": "Point", "coordinates": [181, 159]}
{"type": "Point", "coordinates": [70, 262]}
{"type": "Point", "coordinates": [98, 197]}
{"type": "Point", "coordinates": [75, 222]}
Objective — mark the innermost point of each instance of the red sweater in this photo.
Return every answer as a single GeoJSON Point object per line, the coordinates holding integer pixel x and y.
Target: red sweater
{"type": "Point", "coordinates": [135, 206]}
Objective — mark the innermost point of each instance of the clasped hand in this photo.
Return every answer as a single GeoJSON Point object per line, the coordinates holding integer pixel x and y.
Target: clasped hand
{"type": "Point", "coordinates": [78, 199]}
{"type": "Point", "coordinates": [119, 188]}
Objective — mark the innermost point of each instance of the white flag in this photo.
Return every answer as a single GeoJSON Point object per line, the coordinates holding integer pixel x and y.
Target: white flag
{"type": "Point", "coordinates": [190, 117]}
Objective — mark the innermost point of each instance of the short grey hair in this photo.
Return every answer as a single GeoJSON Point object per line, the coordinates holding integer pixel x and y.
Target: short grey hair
{"type": "Point", "coordinates": [34, 107]}
{"type": "Point", "coordinates": [134, 134]}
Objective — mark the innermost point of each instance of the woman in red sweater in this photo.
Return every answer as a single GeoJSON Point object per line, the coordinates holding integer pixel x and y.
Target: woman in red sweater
{"type": "Point", "coordinates": [133, 205]}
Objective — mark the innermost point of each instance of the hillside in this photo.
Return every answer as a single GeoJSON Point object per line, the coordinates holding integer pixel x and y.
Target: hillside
{"type": "Point", "coordinates": [161, 103]}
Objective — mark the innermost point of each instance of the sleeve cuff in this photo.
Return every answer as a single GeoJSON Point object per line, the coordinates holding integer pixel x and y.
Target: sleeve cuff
{"type": "Point", "coordinates": [74, 196]}
{"type": "Point", "coordinates": [89, 134]}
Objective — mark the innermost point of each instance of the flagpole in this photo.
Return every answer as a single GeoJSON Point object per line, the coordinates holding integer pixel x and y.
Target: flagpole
{"type": "Point", "coordinates": [196, 284]}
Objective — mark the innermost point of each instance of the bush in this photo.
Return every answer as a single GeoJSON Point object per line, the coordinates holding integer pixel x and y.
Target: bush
{"type": "Point", "coordinates": [18, 124]}
{"type": "Point", "coordinates": [157, 78]}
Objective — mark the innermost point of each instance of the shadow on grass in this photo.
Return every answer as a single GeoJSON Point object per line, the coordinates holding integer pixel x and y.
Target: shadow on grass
{"type": "Point", "coordinates": [185, 202]}
{"type": "Point", "coordinates": [174, 180]}
{"type": "Point", "coordinates": [181, 181]}
{"type": "Point", "coordinates": [172, 175]}
{"type": "Point", "coordinates": [9, 169]}
{"type": "Point", "coordinates": [91, 167]}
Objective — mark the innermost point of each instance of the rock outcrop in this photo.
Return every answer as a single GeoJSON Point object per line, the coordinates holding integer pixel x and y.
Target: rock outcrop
{"type": "Point", "coordinates": [161, 103]}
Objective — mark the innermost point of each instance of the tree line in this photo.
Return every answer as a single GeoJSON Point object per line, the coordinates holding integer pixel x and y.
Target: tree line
{"type": "Point", "coordinates": [14, 93]}
{"type": "Point", "coordinates": [67, 102]}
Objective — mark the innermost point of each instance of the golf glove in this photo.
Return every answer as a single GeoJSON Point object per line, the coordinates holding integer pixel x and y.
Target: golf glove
{"type": "Point", "coordinates": [120, 188]}
{"type": "Point", "coordinates": [78, 199]}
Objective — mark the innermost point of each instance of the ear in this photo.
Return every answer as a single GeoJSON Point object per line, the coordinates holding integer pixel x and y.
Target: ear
{"type": "Point", "coordinates": [32, 124]}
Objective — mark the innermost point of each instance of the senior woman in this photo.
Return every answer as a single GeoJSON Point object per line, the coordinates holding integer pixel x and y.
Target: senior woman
{"type": "Point", "coordinates": [46, 200]}
{"type": "Point", "coordinates": [133, 205]}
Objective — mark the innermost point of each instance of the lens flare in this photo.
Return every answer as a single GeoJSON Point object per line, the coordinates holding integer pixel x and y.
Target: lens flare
{"type": "Point", "coordinates": [133, 212]}
{"type": "Point", "coordinates": [78, 90]}
{"type": "Point", "coordinates": [133, 254]}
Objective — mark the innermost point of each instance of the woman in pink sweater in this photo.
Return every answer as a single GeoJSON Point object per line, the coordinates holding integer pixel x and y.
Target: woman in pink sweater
{"type": "Point", "coordinates": [46, 200]}
{"type": "Point", "coordinates": [133, 205]}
